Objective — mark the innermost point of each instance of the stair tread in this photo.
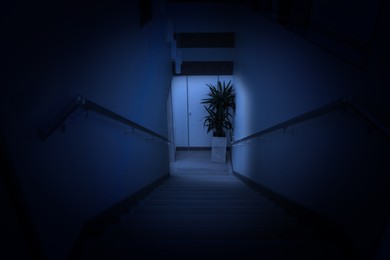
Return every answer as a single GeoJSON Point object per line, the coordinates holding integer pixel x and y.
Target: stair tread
{"type": "Point", "coordinates": [158, 232]}
{"type": "Point", "coordinates": [265, 221]}
{"type": "Point", "coordinates": [237, 249]}
{"type": "Point", "coordinates": [203, 197]}
{"type": "Point", "coordinates": [210, 218]}
{"type": "Point", "coordinates": [205, 210]}
{"type": "Point", "coordinates": [213, 203]}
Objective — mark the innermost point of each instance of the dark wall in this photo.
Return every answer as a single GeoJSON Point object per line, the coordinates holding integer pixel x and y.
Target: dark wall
{"type": "Point", "coordinates": [335, 165]}
{"type": "Point", "coordinates": [54, 51]}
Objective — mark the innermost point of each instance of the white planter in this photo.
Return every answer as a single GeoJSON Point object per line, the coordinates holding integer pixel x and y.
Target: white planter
{"type": "Point", "coordinates": [218, 149]}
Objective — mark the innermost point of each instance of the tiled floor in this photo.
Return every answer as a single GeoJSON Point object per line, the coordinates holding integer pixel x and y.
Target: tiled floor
{"type": "Point", "coordinates": [199, 163]}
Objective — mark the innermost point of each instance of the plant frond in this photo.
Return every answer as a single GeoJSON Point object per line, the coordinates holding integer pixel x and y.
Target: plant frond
{"type": "Point", "coordinates": [220, 107]}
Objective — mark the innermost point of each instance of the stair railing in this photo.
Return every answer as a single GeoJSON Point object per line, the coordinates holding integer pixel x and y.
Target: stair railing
{"type": "Point", "coordinates": [87, 105]}
{"type": "Point", "coordinates": [340, 104]}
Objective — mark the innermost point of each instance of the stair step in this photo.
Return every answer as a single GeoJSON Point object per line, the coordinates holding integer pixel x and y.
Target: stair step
{"type": "Point", "coordinates": [210, 195]}
{"type": "Point", "coordinates": [202, 188]}
{"type": "Point", "coordinates": [208, 184]}
{"type": "Point", "coordinates": [204, 180]}
{"type": "Point", "coordinates": [210, 203]}
{"type": "Point", "coordinates": [212, 249]}
{"type": "Point", "coordinates": [206, 192]}
{"type": "Point", "coordinates": [205, 189]}
{"type": "Point", "coordinates": [211, 219]}
{"type": "Point", "coordinates": [214, 197]}
{"type": "Point", "coordinates": [198, 210]}
{"type": "Point", "coordinates": [158, 232]}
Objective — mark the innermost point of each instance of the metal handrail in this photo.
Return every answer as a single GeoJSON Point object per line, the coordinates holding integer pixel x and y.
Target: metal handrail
{"type": "Point", "coordinates": [342, 103]}
{"type": "Point", "coordinates": [82, 102]}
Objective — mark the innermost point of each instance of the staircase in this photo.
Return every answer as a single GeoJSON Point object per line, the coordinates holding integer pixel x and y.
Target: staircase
{"type": "Point", "coordinates": [209, 216]}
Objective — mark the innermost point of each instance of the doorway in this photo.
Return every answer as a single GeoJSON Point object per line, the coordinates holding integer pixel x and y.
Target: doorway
{"type": "Point", "coordinates": [188, 112]}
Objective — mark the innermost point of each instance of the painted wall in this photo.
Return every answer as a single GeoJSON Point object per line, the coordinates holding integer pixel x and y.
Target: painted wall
{"type": "Point", "coordinates": [335, 165]}
{"type": "Point", "coordinates": [54, 52]}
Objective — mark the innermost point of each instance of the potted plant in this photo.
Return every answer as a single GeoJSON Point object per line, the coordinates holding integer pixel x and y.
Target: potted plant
{"type": "Point", "coordinates": [220, 106]}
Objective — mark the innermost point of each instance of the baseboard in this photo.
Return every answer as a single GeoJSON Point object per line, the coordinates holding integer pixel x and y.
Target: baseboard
{"type": "Point", "coordinates": [96, 226]}
{"type": "Point", "coordinates": [323, 227]}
